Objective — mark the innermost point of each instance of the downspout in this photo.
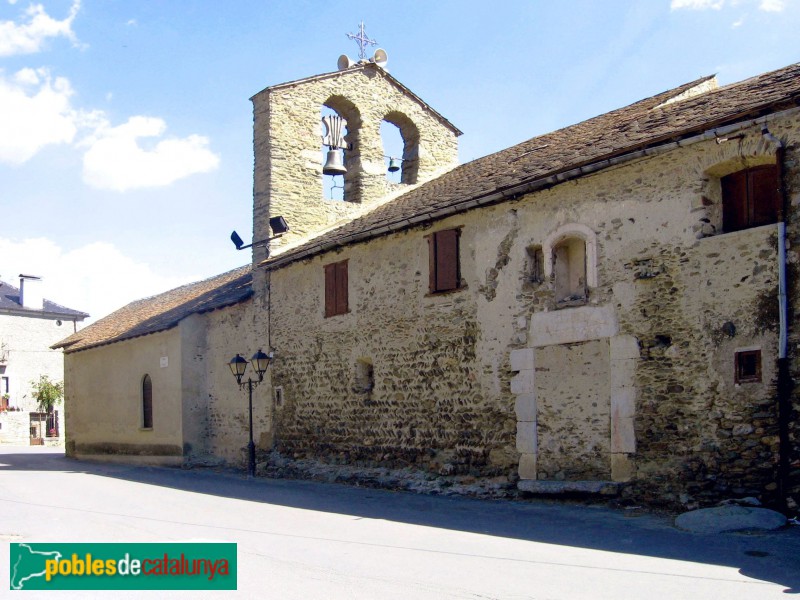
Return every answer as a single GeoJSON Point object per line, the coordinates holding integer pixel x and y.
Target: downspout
{"type": "Point", "coordinates": [785, 384]}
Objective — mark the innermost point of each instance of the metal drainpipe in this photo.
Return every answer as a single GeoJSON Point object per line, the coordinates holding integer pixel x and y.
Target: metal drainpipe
{"type": "Point", "coordinates": [785, 384]}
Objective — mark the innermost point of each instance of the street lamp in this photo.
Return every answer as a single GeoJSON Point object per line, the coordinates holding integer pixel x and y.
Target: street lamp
{"type": "Point", "coordinates": [238, 366]}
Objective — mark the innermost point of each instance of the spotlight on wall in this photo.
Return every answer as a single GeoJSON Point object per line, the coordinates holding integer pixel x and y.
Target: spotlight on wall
{"type": "Point", "coordinates": [278, 226]}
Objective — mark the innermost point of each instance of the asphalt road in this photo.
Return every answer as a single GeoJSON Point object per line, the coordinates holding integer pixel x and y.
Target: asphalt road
{"type": "Point", "coordinates": [311, 540]}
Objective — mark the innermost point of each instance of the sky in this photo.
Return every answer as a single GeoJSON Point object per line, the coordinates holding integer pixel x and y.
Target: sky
{"type": "Point", "coordinates": [126, 127]}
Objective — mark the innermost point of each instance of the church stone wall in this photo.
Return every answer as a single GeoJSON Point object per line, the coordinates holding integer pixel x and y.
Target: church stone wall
{"type": "Point", "coordinates": [435, 403]}
{"type": "Point", "coordinates": [459, 379]}
{"type": "Point", "coordinates": [235, 329]}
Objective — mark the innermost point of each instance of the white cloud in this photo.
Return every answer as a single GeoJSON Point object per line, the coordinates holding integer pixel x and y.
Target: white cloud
{"type": "Point", "coordinates": [765, 5]}
{"type": "Point", "coordinates": [117, 161]}
{"type": "Point", "coordinates": [696, 4]}
{"type": "Point", "coordinates": [36, 26]}
{"type": "Point", "coordinates": [35, 111]}
{"type": "Point", "coordinates": [737, 23]}
{"type": "Point", "coordinates": [96, 278]}
{"type": "Point", "coordinates": [772, 5]}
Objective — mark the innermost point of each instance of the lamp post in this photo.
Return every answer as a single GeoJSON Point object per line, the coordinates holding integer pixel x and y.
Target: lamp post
{"type": "Point", "coordinates": [238, 366]}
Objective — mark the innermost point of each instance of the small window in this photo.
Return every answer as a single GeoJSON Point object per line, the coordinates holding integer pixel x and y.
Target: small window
{"type": "Point", "coordinates": [364, 377]}
{"type": "Point", "coordinates": [147, 402]}
{"type": "Point", "coordinates": [748, 366]}
{"type": "Point", "coordinates": [750, 198]}
{"type": "Point", "coordinates": [336, 289]}
{"type": "Point", "coordinates": [443, 261]}
{"type": "Point", "coordinates": [569, 268]}
{"type": "Point", "coordinates": [535, 264]}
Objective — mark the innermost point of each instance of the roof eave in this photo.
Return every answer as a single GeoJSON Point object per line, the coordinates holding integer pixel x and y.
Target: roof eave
{"type": "Point", "coordinates": [43, 314]}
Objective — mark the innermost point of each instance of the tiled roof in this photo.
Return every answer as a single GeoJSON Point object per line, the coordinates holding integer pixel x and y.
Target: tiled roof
{"type": "Point", "coordinates": [641, 125]}
{"type": "Point", "coordinates": [10, 303]}
{"type": "Point", "coordinates": [164, 311]}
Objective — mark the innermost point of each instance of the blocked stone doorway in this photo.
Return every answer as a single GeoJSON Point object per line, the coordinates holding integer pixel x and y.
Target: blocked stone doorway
{"type": "Point", "coordinates": [573, 421]}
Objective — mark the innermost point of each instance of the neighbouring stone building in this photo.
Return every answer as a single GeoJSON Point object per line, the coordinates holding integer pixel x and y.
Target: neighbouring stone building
{"type": "Point", "coordinates": [29, 325]}
{"type": "Point", "coordinates": [605, 308]}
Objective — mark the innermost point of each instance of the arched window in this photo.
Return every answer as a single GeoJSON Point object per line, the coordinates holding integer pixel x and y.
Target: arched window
{"type": "Point", "coordinates": [570, 255]}
{"type": "Point", "coordinates": [344, 187]}
{"type": "Point", "coordinates": [409, 138]}
{"type": "Point", "coordinates": [392, 141]}
{"type": "Point", "coordinates": [147, 402]}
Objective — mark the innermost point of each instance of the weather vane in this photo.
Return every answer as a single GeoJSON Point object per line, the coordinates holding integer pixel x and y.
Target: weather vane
{"type": "Point", "coordinates": [362, 40]}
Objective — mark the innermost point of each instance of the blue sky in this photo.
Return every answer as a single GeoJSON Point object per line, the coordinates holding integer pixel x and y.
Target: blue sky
{"type": "Point", "coordinates": [126, 126]}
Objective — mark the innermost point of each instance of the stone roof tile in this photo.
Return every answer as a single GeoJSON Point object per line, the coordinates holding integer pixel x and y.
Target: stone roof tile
{"type": "Point", "coordinates": [163, 311]}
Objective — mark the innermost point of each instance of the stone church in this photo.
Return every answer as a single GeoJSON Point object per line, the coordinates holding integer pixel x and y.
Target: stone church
{"type": "Point", "coordinates": [607, 308]}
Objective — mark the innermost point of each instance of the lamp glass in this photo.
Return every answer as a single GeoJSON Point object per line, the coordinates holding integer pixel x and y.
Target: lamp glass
{"type": "Point", "coordinates": [260, 362]}
{"type": "Point", "coordinates": [238, 366]}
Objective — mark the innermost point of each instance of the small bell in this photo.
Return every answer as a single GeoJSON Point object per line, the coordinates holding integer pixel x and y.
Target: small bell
{"type": "Point", "coordinates": [333, 164]}
{"type": "Point", "coordinates": [394, 165]}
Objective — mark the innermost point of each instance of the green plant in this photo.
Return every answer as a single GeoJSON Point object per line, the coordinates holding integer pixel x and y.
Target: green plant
{"type": "Point", "coordinates": [47, 393]}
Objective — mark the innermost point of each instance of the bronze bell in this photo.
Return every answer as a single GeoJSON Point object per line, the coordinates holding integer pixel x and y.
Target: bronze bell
{"type": "Point", "coordinates": [333, 164]}
{"type": "Point", "coordinates": [394, 165]}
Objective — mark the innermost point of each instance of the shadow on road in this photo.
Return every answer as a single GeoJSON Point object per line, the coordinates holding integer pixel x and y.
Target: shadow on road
{"type": "Point", "coordinates": [773, 557]}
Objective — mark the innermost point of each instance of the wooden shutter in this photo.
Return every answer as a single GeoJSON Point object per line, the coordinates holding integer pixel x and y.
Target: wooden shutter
{"type": "Point", "coordinates": [447, 260]}
{"type": "Point", "coordinates": [763, 196]}
{"type": "Point", "coordinates": [431, 263]}
{"type": "Point", "coordinates": [147, 402]}
{"type": "Point", "coordinates": [336, 286]}
{"type": "Point", "coordinates": [735, 213]}
{"type": "Point", "coordinates": [750, 198]}
{"type": "Point", "coordinates": [330, 290]}
{"type": "Point", "coordinates": [341, 288]}
{"type": "Point", "coordinates": [443, 261]}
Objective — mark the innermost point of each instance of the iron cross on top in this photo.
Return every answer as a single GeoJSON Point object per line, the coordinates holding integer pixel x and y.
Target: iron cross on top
{"type": "Point", "coordinates": [362, 40]}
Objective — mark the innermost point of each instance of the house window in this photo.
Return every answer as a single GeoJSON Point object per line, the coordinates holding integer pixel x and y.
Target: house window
{"type": "Point", "coordinates": [147, 402]}
{"type": "Point", "coordinates": [443, 261]}
{"type": "Point", "coordinates": [569, 268]}
{"type": "Point", "coordinates": [750, 198]}
{"type": "Point", "coordinates": [747, 367]}
{"type": "Point", "coordinates": [336, 289]}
